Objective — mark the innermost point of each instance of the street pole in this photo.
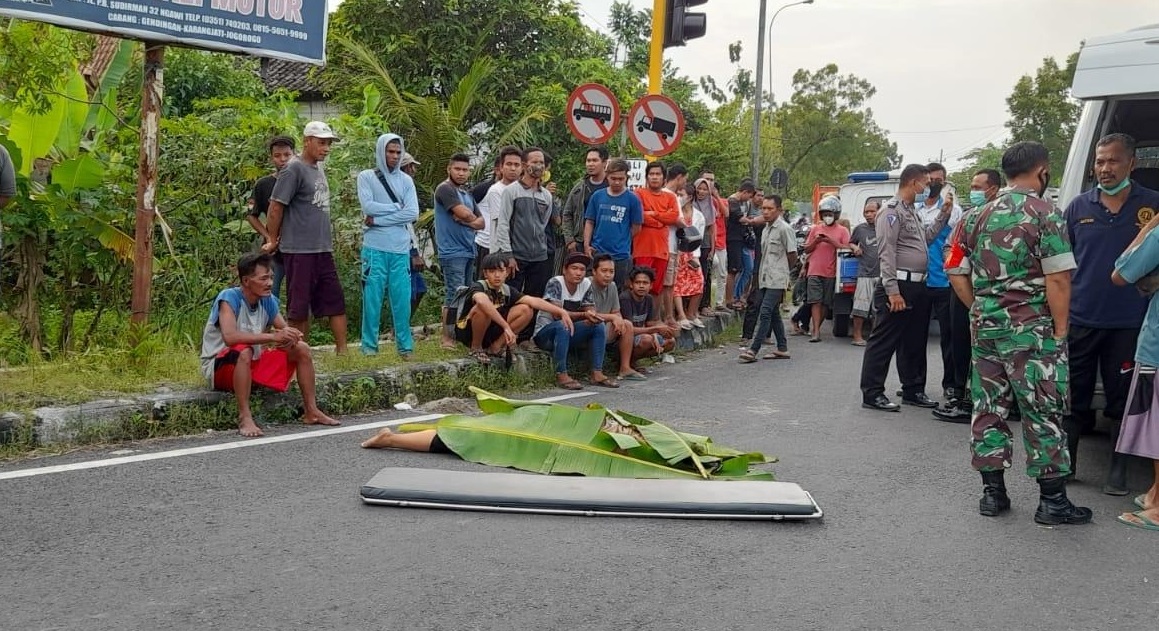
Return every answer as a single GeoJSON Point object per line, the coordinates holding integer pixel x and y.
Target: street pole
{"type": "Point", "coordinates": [754, 162]}
{"type": "Point", "coordinates": [656, 51]}
{"type": "Point", "coordinates": [151, 96]}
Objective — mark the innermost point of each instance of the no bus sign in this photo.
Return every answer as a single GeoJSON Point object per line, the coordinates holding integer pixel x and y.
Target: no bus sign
{"type": "Point", "coordinates": [593, 114]}
{"type": "Point", "coordinates": [655, 125]}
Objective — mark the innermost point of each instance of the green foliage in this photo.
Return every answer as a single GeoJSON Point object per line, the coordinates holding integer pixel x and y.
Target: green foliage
{"type": "Point", "coordinates": [33, 58]}
{"type": "Point", "coordinates": [1041, 110]}
{"type": "Point", "coordinates": [827, 130]}
{"type": "Point", "coordinates": [988, 157]}
{"type": "Point", "coordinates": [192, 75]}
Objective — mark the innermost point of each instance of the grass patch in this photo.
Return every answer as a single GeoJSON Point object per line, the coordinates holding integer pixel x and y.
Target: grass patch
{"type": "Point", "coordinates": [149, 364]}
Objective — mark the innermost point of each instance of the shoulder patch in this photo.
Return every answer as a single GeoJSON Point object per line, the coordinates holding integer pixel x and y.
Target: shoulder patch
{"type": "Point", "coordinates": [892, 218]}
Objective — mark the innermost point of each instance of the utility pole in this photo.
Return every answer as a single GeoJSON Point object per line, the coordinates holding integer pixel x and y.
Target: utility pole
{"type": "Point", "coordinates": [656, 51]}
{"type": "Point", "coordinates": [754, 164]}
{"type": "Point", "coordinates": [755, 161]}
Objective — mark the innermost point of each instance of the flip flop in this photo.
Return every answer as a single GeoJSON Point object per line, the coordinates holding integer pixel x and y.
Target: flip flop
{"type": "Point", "coordinates": [1141, 501]}
{"type": "Point", "coordinates": [482, 357]}
{"type": "Point", "coordinates": [1140, 521]}
{"type": "Point", "coordinates": [814, 339]}
{"type": "Point", "coordinates": [570, 385]}
{"type": "Point", "coordinates": [777, 355]}
{"type": "Point", "coordinates": [633, 376]}
{"type": "Point", "coordinates": [607, 383]}
{"type": "Point", "coordinates": [747, 357]}
{"type": "Point", "coordinates": [861, 343]}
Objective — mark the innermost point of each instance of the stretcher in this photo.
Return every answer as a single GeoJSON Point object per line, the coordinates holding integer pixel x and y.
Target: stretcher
{"type": "Point", "coordinates": [509, 492]}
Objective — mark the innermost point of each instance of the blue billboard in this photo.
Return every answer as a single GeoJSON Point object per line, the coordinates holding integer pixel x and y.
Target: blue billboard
{"type": "Point", "coordinates": [294, 30]}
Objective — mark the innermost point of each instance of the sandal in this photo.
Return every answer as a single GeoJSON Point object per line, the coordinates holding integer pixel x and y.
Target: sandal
{"type": "Point", "coordinates": [570, 385]}
{"type": "Point", "coordinates": [747, 357]}
{"type": "Point", "coordinates": [777, 355]}
{"type": "Point", "coordinates": [481, 356]}
{"type": "Point", "coordinates": [607, 383]}
{"type": "Point", "coordinates": [633, 376]}
{"type": "Point", "coordinates": [1138, 520]}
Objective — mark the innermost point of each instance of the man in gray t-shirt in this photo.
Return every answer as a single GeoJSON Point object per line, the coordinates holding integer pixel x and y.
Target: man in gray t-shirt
{"type": "Point", "coordinates": [298, 221]}
{"type": "Point", "coordinates": [864, 243]}
{"type": "Point", "coordinates": [303, 191]}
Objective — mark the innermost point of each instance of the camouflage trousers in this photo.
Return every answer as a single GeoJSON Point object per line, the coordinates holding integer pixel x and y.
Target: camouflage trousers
{"type": "Point", "coordinates": [1027, 372]}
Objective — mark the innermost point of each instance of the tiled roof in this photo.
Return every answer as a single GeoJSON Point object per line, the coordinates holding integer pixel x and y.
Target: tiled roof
{"type": "Point", "coordinates": [290, 75]}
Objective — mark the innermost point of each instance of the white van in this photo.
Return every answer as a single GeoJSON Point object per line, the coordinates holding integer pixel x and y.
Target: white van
{"type": "Point", "coordinates": [864, 187]}
{"type": "Point", "coordinates": [1117, 79]}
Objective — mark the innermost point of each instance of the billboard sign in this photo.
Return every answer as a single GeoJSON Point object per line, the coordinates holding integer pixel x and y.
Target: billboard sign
{"type": "Point", "coordinates": [294, 30]}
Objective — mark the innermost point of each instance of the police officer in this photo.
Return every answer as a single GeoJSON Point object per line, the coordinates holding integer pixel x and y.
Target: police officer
{"type": "Point", "coordinates": [902, 242]}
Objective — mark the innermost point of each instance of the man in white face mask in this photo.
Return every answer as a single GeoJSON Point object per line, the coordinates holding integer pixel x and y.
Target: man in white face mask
{"type": "Point", "coordinates": [821, 246]}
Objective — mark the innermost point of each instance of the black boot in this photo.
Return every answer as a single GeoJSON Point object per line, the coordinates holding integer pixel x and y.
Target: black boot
{"type": "Point", "coordinates": [1071, 428]}
{"type": "Point", "coordinates": [1117, 476]}
{"type": "Point", "coordinates": [1054, 508]}
{"type": "Point", "coordinates": [994, 499]}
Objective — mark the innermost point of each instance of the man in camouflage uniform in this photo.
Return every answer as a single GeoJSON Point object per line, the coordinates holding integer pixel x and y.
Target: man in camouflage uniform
{"type": "Point", "coordinates": [1011, 261]}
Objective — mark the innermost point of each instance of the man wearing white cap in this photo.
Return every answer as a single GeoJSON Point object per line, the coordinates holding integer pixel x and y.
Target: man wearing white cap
{"type": "Point", "coordinates": [298, 221]}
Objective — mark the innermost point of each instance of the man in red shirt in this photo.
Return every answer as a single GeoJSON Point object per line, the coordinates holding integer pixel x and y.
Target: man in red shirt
{"type": "Point", "coordinates": [650, 245]}
{"type": "Point", "coordinates": [821, 247]}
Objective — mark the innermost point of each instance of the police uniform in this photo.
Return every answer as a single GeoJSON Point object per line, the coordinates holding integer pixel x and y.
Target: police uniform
{"type": "Point", "coordinates": [903, 244]}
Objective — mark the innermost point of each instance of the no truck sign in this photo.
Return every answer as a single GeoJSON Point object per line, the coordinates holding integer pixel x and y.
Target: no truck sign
{"type": "Point", "coordinates": [593, 114]}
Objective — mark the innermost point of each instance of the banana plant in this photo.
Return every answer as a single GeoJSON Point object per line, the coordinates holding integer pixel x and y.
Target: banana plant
{"type": "Point", "coordinates": [592, 441]}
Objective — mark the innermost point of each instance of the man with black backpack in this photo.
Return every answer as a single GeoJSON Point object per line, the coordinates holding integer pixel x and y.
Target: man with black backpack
{"type": "Point", "coordinates": [389, 205]}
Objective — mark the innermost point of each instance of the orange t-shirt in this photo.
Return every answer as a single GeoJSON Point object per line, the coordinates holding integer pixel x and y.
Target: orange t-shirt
{"type": "Point", "coordinates": [660, 212]}
{"type": "Point", "coordinates": [721, 241]}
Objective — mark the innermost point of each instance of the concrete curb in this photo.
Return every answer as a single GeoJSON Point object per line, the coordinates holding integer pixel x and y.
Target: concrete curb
{"type": "Point", "coordinates": [340, 394]}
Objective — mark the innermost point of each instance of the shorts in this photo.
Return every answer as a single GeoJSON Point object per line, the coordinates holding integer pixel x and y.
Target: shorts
{"type": "Point", "coordinates": [312, 287]}
{"type": "Point", "coordinates": [272, 369]}
{"type": "Point", "coordinates": [670, 271]}
{"type": "Point", "coordinates": [735, 256]}
{"type": "Point", "coordinates": [659, 339]}
{"type": "Point", "coordinates": [819, 289]}
{"type": "Point", "coordinates": [439, 447]}
{"type": "Point", "coordinates": [863, 296]}
{"type": "Point", "coordinates": [658, 265]}
{"type": "Point", "coordinates": [493, 333]}
{"type": "Point", "coordinates": [456, 274]}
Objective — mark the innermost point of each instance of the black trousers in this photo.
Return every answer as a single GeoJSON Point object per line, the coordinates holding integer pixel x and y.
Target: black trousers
{"type": "Point", "coordinates": [752, 312]}
{"type": "Point", "coordinates": [940, 298]}
{"type": "Point", "coordinates": [532, 277]}
{"type": "Point", "coordinates": [960, 343]}
{"type": "Point", "coordinates": [1109, 352]}
{"type": "Point", "coordinates": [902, 332]}
{"type": "Point", "coordinates": [706, 269]}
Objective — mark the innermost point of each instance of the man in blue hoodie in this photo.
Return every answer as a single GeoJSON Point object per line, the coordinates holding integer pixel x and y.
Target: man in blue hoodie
{"type": "Point", "coordinates": [389, 205]}
{"type": "Point", "coordinates": [937, 282]}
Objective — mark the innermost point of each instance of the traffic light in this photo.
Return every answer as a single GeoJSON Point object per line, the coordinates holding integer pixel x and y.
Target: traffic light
{"type": "Point", "coordinates": [680, 25]}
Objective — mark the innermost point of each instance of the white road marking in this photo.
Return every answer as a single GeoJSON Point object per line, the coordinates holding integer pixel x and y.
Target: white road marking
{"type": "Point", "coordinates": [252, 442]}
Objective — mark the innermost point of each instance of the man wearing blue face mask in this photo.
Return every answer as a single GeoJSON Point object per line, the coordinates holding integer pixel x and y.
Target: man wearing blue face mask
{"type": "Point", "coordinates": [937, 282]}
{"type": "Point", "coordinates": [983, 189]}
{"type": "Point", "coordinates": [1105, 318]}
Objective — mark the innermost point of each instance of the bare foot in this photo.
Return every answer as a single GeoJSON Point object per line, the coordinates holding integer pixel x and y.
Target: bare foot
{"type": "Point", "coordinates": [318, 418]}
{"type": "Point", "coordinates": [248, 428]}
{"type": "Point", "coordinates": [381, 440]}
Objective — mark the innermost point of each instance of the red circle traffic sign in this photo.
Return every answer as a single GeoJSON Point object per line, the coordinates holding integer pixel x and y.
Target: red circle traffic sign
{"type": "Point", "coordinates": [593, 114]}
{"type": "Point", "coordinates": [655, 125]}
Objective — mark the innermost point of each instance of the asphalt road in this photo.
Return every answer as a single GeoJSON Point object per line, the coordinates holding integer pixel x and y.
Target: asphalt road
{"type": "Point", "coordinates": [275, 537]}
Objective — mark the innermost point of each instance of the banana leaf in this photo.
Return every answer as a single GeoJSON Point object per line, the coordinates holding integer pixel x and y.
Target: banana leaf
{"type": "Point", "coordinates": [560, 439]}
{"type": "Point", "coordinates": [553, 439]}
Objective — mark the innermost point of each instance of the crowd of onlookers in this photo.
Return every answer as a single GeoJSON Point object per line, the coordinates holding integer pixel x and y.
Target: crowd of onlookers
{"type": "Point", "coordinates": [608, 270]}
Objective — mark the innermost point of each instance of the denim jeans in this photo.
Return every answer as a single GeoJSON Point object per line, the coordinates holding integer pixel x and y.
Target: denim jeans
{"type": "Point", "coordinates": [771, 321]}
{"type": "Point", "coordinates": [555, 339]}
{"type": "Point", "coordinates": [746, 273]}
{"type": "Point", "coordinates": [457, 272]}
